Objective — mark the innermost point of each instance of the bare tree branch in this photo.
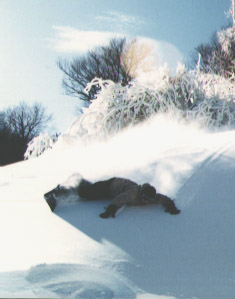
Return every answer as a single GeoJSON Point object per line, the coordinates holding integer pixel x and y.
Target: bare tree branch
{"type": "Point", "coordinates": [26, 121]}
{"type": "Point", "coordinates": [103, 62]}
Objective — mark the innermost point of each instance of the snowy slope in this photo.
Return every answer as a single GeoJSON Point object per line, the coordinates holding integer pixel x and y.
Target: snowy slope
{"type": "Point", "coordinates": [143, 252]}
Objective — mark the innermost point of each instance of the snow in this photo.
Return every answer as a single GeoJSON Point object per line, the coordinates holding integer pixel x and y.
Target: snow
{"type": "Point", "coordinates": [143, 253]}
{"type": "Point", "coordinates": [39, 144]}
{"type": "Point", "coordinates": [226, 38]}
{"type": "Point", "coordinates": [190, 95]}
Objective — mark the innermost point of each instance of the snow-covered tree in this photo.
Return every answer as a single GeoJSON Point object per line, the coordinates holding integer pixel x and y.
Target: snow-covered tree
{"type": "Point", "coordinates": [218, 56]}
{"type": "Point", "coordinates": [233, 12]}
{"type": "Point", "coordinates": [103, 62]}
{"type": "Point", "coordinates": [39, 145]}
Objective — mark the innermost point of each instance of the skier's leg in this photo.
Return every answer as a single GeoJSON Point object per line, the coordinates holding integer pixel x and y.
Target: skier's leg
{"type": "Point", "coordinates": [122, 199]}
{"type": "Point", "coordinates": [92, 191]}
{"type": "Point", "coordinates": [110, 211]}
{"type": "Point", "coordinates": [167, 203]}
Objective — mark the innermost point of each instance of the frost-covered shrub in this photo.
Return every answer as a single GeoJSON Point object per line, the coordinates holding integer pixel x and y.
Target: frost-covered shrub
{"type": "Point", "coordinates": [39, 144]}
{"type": "Point", "coordinates": [226, 60]}
{"type": "Point", "coordinates": [226, 39]}
{"type": "Point", "coordinates": [117, 107]}
{"type": "Point", "coordinates": [206, 98]}
{"type": "Point", "coordinates": [218, 56]}
{"type": "Point", "coordinates": [218, 105]}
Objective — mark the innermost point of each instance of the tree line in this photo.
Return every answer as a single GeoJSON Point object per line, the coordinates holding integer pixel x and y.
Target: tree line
{"type": "Point", "coordinates": [19, 125]}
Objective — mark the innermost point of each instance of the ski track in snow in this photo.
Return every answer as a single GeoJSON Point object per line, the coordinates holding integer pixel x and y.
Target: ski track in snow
{"type": "Point", "coordinates": [143, 253]}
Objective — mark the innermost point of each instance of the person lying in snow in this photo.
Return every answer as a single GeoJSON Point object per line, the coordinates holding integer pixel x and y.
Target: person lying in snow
{"type": "Point", "coordinates": [120, 191]}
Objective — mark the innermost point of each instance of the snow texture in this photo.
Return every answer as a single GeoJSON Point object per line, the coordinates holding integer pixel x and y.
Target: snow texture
{"type": "Point", "coordinates": [143, 253]}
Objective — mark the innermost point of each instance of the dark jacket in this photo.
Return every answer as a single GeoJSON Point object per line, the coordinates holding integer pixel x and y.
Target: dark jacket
{"type": "Point", "coordinates": [123, 191]}
{"type": "Point", "coordinates": [119, 191]}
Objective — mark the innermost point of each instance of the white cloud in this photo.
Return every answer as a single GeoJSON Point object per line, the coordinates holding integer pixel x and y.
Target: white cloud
{"type": "Point", "coordinates": [70, 40]}
{"type": "Point", "coordinates": [115, 17]}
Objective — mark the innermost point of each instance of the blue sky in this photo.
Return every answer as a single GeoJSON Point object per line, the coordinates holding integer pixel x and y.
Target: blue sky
{"type": "Point", "coordinates": [34, 34]}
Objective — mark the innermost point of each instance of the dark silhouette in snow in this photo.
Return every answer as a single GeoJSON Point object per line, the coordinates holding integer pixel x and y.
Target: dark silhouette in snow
{"type": "Point", "coordinates": [119, 191]}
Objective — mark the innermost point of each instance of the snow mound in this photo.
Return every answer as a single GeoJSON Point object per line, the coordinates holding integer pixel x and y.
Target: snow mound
{"type": "Point", "coordinates": [143, 252]}
{"type": "Point", "coordinates": [78, 281]}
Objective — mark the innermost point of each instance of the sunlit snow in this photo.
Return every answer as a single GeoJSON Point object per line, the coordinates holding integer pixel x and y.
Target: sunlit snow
{"type": "Point", "coordinates": [143, 252]}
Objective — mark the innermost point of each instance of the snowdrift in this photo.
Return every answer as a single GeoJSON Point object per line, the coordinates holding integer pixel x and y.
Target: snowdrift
{"type": "Point", "coordinates": [143, 252]}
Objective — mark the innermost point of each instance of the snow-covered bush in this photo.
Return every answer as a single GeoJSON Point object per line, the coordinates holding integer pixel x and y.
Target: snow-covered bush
{"type": "Point", "coordinates": [209, 99]}
{"type": "Point", "coordinates": [39, 144]}
{"type": "Point", "coordinates": [226, 39]}
{"type": "Point", "coordinates": [226, 60]}
{"type": "Point", "coordinates": [218, 106]}
{"type": "Point", "coordinates": [218, 56]}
